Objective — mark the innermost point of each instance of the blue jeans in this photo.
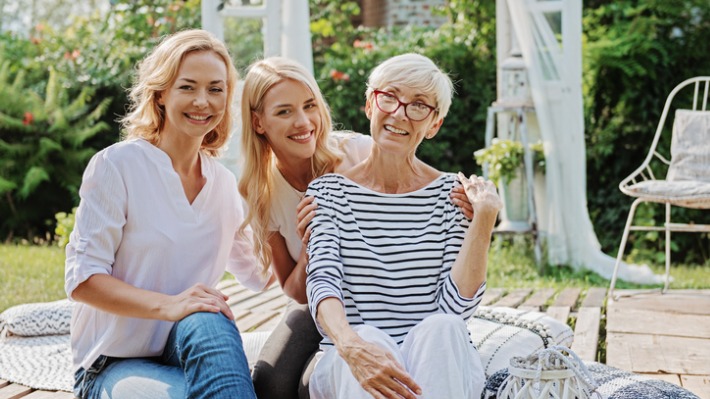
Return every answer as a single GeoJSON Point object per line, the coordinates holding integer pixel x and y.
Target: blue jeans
{"type": "Point", "coordinates": [203, 358]}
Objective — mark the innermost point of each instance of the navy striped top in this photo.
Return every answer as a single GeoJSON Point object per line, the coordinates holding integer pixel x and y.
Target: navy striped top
{"type": "Point", "coordinates": [387, 257]}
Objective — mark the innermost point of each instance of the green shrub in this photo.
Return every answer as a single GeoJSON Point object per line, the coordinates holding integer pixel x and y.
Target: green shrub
{"type": "Point", "coordinates": [65, 225]}
{"type": "Point", "coordinates": [42, 151]}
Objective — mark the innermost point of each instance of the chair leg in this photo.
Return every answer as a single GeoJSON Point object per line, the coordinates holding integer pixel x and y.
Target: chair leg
{"type": "Point", "coordinates": [666, 280]}
{"type": "Point", "coordinates": [624, 238]}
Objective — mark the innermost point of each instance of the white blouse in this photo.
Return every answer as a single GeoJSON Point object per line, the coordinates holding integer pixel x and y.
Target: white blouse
{"type": "Point", "coordinates": [135, 223]}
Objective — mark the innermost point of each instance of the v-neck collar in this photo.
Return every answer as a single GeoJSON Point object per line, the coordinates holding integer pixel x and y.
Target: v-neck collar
{"type": "Point", "coordinates": [174, 185]}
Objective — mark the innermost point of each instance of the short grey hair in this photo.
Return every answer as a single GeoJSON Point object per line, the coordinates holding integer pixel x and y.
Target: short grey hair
{"type": "Point", "coordinates": [415, 71]}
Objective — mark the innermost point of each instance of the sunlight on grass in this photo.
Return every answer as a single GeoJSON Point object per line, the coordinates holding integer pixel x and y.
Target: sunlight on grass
{"type": "Point", "coordinates": [512, 265]}
{"type": "Point", "coordinates": [30, 273]}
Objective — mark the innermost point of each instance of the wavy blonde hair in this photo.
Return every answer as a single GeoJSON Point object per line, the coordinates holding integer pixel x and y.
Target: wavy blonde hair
{"type": "Point", "coordinates": [158, 70]}
{"type": "Point", "coordinates": [257, 180]}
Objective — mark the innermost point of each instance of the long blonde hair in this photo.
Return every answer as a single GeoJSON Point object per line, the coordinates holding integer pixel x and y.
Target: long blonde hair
{"type": "Point", "coordinates": [257, 180]}
{"type": "Point", "coordinates": [158, 70]}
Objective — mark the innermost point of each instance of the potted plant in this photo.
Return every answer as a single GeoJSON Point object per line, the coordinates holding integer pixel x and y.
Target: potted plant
{"type": "Point", "coordinates": [505, 160]}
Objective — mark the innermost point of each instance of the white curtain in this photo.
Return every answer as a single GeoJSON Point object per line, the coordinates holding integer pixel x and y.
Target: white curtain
{"type": "Point", "coordinates": [549, 33]}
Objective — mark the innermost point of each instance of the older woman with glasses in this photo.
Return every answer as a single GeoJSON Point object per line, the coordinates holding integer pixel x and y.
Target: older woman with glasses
{"type": "Point", "coordinates": [395, 269]}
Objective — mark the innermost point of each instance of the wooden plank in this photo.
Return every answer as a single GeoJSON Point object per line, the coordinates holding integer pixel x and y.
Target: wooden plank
{"type": "Point", "coordinates": [49, 395]}
{"type": "Point", "coordinates": [230, 287]}
{"type": "Point", "coordinates": [237, 299]}
{"type": "Point", "coordinates": [514, 298]}
{"type": "Point", "coordinates": [278, 304]}
{"type": "Point", "coordinates": [640, 321]}
{"type": "Point", "coordinates": [14, 391]}
{"type": "Point", "coordinates": [260, 299]}
{"type": "Point", "coordinates": [560, 313]}
{"type": "Point", "coordinates": [586, 333]}
{"type": "Point", "coordinates": [594, 298]}
{"type": "Point", "coordinates": [568, 297]}
{"type": "Point", "coordinates": [674, 301]}
{"type": "Point", "coordinates": [643, 353]}
{"type": "Point", "coordinates": [3, 383]}
{"type": "Point", "coordinates": [697, 384]}
{"type": "Point", "coordinates": [254, 320]}
{"type": "Point", "coordinates": [538, 299]}
{"type": "Point", "coordinates": [491, 296]}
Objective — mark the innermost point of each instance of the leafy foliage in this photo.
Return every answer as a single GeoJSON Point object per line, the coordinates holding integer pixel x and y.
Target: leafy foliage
{"type": "Point", "coordinates": [65, 225]}
{"type": "Point", "coordinates": [506, 157]}
{"type": "Point", "coordinates": [42, 150]}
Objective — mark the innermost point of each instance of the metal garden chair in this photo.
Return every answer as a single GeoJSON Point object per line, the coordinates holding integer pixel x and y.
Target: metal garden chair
{"type": "Point", "coordinates": [687, 174]}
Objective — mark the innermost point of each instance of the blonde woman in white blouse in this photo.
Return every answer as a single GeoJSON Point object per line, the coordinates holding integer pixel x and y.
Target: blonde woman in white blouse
{"type": "Point", "coordinates": [155, 230]}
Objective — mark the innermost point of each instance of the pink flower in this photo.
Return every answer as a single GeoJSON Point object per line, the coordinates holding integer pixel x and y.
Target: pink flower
{"type": "Point", "coordinates": [28, 118]}
{"type": "Point", "coordinates": [339, 75]}
{"type": "Point", "coordinates": [362, 44]}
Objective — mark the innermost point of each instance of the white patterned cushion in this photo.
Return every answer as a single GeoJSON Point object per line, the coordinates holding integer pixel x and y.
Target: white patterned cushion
{"type": "Point", "coordinates": [690, 194]}
{"type": "Point", "coordinates": [500, 333]}
{"type": "Point", "coordinates": [687, 183]}
{"type": "Point", "coordinates": [612, 383]}
{"type": "Point", "coordinates": [37, 319]}
{"type": "Point", "coordinates": [690, 147]}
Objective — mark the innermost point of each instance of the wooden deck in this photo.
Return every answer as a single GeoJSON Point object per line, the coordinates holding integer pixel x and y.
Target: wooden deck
{"type": "Point", "coordinates": [666, 336]}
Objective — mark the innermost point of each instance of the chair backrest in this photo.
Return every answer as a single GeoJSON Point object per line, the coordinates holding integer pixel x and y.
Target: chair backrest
{"type": "Point", "coordinates": [690, 146]}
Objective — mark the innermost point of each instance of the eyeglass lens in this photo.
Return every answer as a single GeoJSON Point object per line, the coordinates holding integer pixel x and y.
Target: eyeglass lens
{"type": "Point", "coordinates": [415, 111]}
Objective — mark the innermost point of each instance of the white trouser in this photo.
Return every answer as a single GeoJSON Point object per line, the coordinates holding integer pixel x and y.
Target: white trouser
{"type": "Point", "coordinates": [437, 353]}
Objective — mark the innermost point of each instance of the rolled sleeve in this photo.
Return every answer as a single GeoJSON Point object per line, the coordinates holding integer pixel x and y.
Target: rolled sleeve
{"type": "Point", "coordinates": [98, 226]}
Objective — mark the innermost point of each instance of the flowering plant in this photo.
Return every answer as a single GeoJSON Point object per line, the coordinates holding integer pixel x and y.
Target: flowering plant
{"type": "Point", "coordinates": [505, 157]}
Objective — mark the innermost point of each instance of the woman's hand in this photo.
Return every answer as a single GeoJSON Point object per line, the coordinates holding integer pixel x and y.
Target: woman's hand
{"type": "Point", "coordinates": [377, 371]}
{"type": "Point", "coordinates": [198, 298]}
{"type": "Point", "coordinates": [305, 211]}
{"type": "Point", "coordinates": [459, 198]}
{"type": "Point", "coordinates": [482, 194]}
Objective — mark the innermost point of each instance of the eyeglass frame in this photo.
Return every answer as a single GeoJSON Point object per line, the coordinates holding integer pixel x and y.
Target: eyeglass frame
{"type": "Point", "coordinates": [402, 104]}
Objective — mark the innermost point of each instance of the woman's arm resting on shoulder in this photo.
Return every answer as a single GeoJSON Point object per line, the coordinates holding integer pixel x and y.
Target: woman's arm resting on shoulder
{"type": "Point", "coordinates": [377, 371]}
{"type": "Point", "coordinates": [291, 274]}
{"type": "Point", "coordinates": [112, 295]}
{"type": "Point", "coordinates": [469, 269]}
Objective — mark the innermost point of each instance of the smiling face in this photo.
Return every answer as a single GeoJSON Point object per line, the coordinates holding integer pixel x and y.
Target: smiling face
{"type": "Point", "coordinates": [395, 131]}
{"type": "Point", "coordinates": [289, 120]}
{"type": "Point", "coordinates": [195, 102]}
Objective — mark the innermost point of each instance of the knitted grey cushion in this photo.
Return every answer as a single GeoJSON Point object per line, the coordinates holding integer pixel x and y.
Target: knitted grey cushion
{"type": "Point", "coordinates": [500, 333]}
{"type": "Point", "coordinates": [613, 384]}
{"type": "Point", "coordinates": [37, 319]}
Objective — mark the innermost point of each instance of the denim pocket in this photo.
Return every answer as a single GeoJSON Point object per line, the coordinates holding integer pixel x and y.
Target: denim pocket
{"type": "Point", "coordinates": [84, 379]}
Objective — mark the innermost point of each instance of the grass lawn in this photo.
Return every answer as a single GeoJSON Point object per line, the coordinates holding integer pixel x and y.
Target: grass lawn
{"type": "Point", "coordinates": [31, 273]}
